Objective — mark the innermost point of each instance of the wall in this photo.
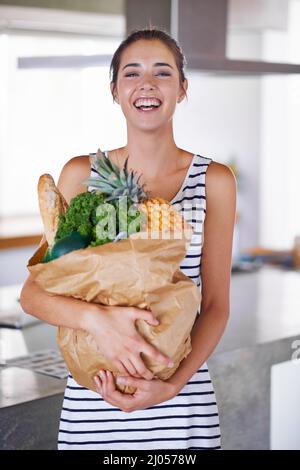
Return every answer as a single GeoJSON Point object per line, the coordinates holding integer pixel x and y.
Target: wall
{"type": "Point", "coordinates": [273, 35]}
{"type": "Point", "coordinates": [224, 118]}
{"type": "Point", "coordinates": [13, 265]}
{"type": "Point", "coordinates": [99, 6]}
{"type": "Point", "coordinates": [221, 121]}
{"type": "Point", "coordinates": [280, 168]}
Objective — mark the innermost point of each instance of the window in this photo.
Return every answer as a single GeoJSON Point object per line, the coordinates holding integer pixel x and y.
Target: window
{"type": "Point", "coordinates": [50, 113]}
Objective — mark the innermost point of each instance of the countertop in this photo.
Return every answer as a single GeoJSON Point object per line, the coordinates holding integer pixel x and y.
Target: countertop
{"type": "Point", "coordinates": [19, 385]}
{"type": "Point", "coordinates": [265, 307]}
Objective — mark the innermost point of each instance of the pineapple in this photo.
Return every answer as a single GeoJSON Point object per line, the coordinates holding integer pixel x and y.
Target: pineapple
{"type": "Point", "coordinates": [159, 215]}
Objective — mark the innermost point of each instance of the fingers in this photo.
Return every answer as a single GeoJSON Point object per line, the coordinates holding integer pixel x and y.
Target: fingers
{"type": "Point", "coordinates": [128, 364]}
{"type": "Point", "coordinates": [141, 369]}
{"type": "Point", "coordinates": [134, 367]}
{"type": "Point", "coordinates": [146, 315]}
{"type": "Point", "coordinates": [156, 355]}
{"type": "Point", "coordinates": [146, 347]}
{"type": "Point", "coordinates": [133, 382]}
{"type": "Point", "coordinates": [108, 384]}
{"type": "Point", "coordinates": [105, 385]}
{"type": "Point", "coordinates": [98, 384]}
{"type": "Point", "coordinates": [121, 368]}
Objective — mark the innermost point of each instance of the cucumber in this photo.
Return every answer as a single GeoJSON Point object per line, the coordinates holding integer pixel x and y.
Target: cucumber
{"type": "Point", "coordinates": [65, 245]}
{"type": "Point", "coordinates": [47, 256]}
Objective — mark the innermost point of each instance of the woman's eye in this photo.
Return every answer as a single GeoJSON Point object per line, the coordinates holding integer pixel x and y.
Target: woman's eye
{"type": "Point", "coordinates": [131, 74]}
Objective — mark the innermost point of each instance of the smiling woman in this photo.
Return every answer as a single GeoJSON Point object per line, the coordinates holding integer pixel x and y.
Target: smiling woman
{"type": "Point", "coordinates": [163, 80]}
{"type": "Point", "coordinates": [148, 81]}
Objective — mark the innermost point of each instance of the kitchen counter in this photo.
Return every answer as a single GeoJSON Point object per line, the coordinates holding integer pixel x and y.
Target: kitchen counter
{"type": "Point", "coordinates": [263, 324]}
{"type": "Point", "coordinates": [20, 385]}
{"type": "Point", "coordinates": [263, 330]}
{"type": "Point", "coordinates": [264, 307]}
{"type": "Point", "coordinates": [30, 402]}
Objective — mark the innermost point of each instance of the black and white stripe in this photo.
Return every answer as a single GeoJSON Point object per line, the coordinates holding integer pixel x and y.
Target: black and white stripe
{"type": "Point", "coordinates": [188, 421]}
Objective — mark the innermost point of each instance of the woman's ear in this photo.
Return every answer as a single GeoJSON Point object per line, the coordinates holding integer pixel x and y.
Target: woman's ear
{"type": "Point", "coordinates": [113, 92]}
{"type": "Point", "coordinates": [184, 87]}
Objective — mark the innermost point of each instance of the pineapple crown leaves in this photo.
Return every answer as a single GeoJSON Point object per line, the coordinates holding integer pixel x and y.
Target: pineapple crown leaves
{"type": "Point", "coordinates": [113, 181]}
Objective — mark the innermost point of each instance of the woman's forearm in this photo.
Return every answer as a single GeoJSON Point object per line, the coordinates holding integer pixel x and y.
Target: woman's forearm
{"type": "Point", "coordinates": [57, 310]}
{"type": "Point", "coordinates": [112, 327]}
{"type": "Point", "coordinates": [205, 335]}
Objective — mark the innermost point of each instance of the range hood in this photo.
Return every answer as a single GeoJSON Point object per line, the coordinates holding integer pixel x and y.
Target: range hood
{"type": "Point", "coordinates": [201, 27]}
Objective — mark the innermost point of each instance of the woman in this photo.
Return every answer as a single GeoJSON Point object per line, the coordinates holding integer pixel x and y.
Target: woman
{"type": "Point", "coordinates": [180, 413]}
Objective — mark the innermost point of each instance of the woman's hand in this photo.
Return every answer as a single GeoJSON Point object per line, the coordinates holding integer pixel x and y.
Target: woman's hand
{"type": "Point", "coordinates": [114, 331]}
{"type": "Point", "coordinates": [148, 393]}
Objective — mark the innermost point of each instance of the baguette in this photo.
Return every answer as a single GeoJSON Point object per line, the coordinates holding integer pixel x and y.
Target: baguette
{"type": "Point", "coordinates": [52, 204]}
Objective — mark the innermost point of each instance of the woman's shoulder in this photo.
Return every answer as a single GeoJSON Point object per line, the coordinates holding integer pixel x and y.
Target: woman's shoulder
{"type": "Point", "coordinates": [217, 172]}
{"type": "Point", "coordinates": [74, 172]}
{"type": "Point", "coordinates": [77, 163]}
{"type": "Point", "coordinates": [220, 181]}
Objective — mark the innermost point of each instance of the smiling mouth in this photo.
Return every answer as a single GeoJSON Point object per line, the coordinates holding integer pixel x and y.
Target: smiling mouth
{"type": "Point", "coordinates": [152, 105]}
{"type": "Point", "coordinates": [147, 109]}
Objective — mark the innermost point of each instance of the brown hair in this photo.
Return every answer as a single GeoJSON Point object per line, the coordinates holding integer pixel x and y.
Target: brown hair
{"type": "Point", "coordinates": [149, 34]}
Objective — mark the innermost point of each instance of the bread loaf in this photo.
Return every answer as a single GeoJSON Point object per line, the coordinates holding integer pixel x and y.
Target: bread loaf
{"type": "Point", "coordinates": [52, 204]}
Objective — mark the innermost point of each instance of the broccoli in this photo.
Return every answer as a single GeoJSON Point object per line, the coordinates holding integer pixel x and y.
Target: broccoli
{"type": "Point", "coordinates": [80, 215]}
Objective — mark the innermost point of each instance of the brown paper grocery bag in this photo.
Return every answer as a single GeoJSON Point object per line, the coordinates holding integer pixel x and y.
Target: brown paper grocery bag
{"type": "Point", "coordinates": [133, 272]}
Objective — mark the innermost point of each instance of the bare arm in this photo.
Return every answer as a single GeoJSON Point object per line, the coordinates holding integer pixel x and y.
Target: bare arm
{"type": "Point", "coordinates": [54, 309]}
{"type": "Point", "coordinates": [114, 331]}
{"type": "Point", "coordinates": [215, 270]}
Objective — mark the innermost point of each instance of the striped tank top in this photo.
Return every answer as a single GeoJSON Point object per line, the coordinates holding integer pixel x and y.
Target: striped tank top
{"type": "Point", "coordinates": [189, 420]}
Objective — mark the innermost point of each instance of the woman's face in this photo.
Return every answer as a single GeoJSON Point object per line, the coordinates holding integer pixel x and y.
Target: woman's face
{"type": "Point", "coordinates": [148, 70]}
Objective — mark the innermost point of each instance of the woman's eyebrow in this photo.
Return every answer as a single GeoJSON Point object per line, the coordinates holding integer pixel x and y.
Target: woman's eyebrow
{"type": "Point", "coordinates": [157, 64]}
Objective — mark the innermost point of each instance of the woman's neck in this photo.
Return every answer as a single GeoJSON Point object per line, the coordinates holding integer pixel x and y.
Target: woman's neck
{"type": "Point", "coordinates": [153, 153]}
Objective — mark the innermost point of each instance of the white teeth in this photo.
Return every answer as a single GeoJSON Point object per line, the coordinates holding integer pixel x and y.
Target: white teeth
{"type": "Point", "coordinates": [146, 102]}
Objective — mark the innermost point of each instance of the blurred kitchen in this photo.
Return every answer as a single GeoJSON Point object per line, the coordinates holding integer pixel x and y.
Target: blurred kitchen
{"type": "Point", "coordinates": [243, 109]}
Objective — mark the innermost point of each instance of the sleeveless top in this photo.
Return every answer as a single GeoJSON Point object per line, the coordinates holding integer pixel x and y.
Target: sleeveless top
{"type": "Point", "coordinates": [189, 420]}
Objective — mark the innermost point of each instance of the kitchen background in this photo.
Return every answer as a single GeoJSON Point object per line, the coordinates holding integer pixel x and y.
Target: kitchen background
{"type": "Point", "coordinates": [55, 103]}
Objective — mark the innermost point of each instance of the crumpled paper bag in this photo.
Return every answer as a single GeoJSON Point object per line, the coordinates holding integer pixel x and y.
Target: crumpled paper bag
{"type": "Point", "coordinates": [133, 272]}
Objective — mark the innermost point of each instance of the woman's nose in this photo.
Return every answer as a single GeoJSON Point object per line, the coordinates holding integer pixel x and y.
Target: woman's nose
{"type": "Point", "coordinates": [147, 84]}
